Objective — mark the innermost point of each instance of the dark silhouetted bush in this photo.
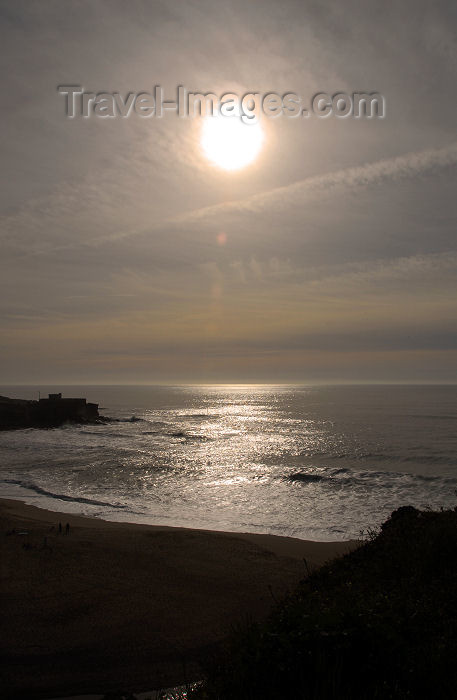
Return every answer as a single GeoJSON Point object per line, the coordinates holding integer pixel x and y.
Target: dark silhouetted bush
{"type": "Point", "coordinates": [379, 623]}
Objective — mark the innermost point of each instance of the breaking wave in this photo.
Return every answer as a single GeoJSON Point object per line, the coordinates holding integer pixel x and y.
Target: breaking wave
{"type": "Point", "coordinates": [380, 479]}
{"type": "Point", "coordinates": [61, 497]}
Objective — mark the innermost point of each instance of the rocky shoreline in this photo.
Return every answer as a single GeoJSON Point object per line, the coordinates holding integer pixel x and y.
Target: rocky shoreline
{"type": "Point", "coordinates": [51, 412]}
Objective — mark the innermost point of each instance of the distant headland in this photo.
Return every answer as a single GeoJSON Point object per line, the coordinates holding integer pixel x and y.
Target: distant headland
{"type": "Point", "coordinates": [46, 413]}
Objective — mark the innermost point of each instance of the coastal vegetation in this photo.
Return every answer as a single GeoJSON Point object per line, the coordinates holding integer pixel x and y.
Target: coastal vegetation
{"type": "Point", "coordinates": [378, 623]}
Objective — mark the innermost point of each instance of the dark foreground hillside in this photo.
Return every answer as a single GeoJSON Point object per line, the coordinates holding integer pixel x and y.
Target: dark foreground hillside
{"type": "Point", "coordinates": [379, 623]}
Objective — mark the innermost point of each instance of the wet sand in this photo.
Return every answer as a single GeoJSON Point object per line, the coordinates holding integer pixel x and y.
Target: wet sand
{"type": "Point", "coordinates": [112, 606]}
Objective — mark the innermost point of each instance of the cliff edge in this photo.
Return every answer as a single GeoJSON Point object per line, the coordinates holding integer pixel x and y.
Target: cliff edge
{"type": "Point", "coordinates": [45, 413]}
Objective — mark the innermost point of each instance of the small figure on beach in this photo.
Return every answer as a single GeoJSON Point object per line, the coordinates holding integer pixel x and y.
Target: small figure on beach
{"type": "Point", "coordinates": [60, 528]}
{"type": "Point", "coordinates": [45, 546]}
{"type": "Point", "coordinates": [67, 529]}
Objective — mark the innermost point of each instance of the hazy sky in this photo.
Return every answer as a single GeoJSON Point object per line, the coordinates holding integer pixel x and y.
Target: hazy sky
{"type": "Point", "coordinates": [338, 259]}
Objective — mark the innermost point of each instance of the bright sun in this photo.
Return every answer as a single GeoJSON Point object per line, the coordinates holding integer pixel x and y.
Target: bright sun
{"type": "Point", "coordinates": [229, 143]}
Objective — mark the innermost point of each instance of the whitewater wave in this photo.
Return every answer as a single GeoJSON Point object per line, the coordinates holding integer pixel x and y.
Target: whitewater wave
{"type": "Point", "coordinates": [340, 477]}
{"type": "Point", "coordinates": [61, 497]}
{"type": "Point", "coordinates": [435, 457]}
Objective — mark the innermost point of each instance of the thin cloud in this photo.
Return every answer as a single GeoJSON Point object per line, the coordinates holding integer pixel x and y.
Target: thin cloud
{"type": "Point", "coordinates": [405, 166]}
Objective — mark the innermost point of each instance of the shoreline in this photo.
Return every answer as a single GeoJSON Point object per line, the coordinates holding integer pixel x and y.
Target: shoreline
{"type": "Point", "coordinates": [129, 606]}
{"type": "Point", "coordinates": [281, 545]}
{"type": "Point", "coordinates": [116, 513]}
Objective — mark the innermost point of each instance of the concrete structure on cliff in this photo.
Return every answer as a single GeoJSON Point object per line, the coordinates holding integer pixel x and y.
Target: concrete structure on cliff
{"type": "Point", "coordinates": [45, 413]}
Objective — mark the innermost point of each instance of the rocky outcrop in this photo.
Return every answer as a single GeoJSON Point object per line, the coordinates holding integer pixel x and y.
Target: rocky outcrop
{"type": "Point", "coordinates": [45, 413]}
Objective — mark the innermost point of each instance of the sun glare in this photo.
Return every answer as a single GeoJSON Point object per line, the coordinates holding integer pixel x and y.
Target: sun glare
{"type": "Point", "coordinates": [229, 143]}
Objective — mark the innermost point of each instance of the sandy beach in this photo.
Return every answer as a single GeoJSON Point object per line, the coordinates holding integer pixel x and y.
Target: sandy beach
{"type": "Point", "coordinates": [113, 606]}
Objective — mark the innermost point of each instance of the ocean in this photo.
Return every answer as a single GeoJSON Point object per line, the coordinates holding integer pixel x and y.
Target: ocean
{"type": "Point", "coordinates": [314, 462]}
